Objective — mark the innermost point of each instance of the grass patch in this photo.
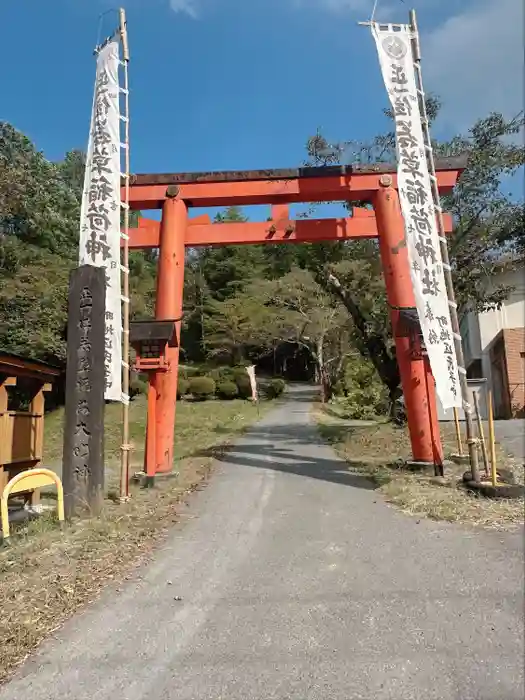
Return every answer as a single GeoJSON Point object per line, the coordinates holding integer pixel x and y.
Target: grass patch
{"type": "Point", "coordinates": [373, 449]}
{"type": "Point", "coordinates": [47, 574]}
{"type": "Point", "coordinates": [198, 427]}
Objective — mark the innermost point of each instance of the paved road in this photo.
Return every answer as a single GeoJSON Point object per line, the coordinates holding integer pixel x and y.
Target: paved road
{"type": "Point", "coordinates": [511, 434]}
{"type": "Point", "coordinates": [298, 583]}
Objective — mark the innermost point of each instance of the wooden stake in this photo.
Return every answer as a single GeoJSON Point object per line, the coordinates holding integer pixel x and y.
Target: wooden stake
{"type": "Point", "coordinates": [492, 438]}
{"type": "Point", "coordinates": [481, 433]}
{"type": "Point", "coordinates": [458, 432]}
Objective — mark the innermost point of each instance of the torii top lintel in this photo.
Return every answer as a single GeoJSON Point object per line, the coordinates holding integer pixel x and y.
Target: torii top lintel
{"type": "Point", "coordinates": [245, 187]}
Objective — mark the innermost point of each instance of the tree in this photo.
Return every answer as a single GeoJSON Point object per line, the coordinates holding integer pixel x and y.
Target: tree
{"type": "Point", "coordinates": [487, 224]}
{"type": "Point", "coordinates": [228, 269]}
{"type": "Point", "coordinates": [292, 310]}
{"type": "Point", "coordinates": [39, 228]}
{"type": "Point", "coordinates": [304, 314]}
{"type": "Point", "coordinates": [214, 273]}
{"type": "Point", "coordinates": [235, 324]}
{"type": "Point", "coordinates": [37, 204]}
{"type": "Point", "coordinates": [33, 301]}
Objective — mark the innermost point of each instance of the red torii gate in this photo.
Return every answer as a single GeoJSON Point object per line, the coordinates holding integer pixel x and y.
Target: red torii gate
{"type": "Point", "coordinates": [175, 193]}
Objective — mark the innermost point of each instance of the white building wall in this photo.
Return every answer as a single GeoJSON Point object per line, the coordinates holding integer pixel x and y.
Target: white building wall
{"type": "Point", "coordinates": [479, 386]}
{"type": "Point", "coordinates": [469, 329]}
{"type": "Point", "coordinates": [479, 330]}
{"type": "Point", "coordinates": [510, 315]}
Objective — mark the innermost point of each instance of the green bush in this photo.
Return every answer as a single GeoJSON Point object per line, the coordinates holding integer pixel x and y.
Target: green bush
{"type": "Point", "coordinates": [227, 390]}
{"type": "Point", "coordinates": [189, 371]}
{"type": "Point", "coordinates": [138, 386]}
{"type": "Point", "coordinates": [183, 387]}
{"type": "Point", "coordinates": [363, 394]}
{"type": "Point", "coordinates": [274, 388]}
{"type": "Point", "coordinates": [222, 374]}
{"type": "Point", "coordinates": [216, 374]}
{"type": "Point", "coordinates": [202, 388]}
{"type": "Point", "coordinates": [244, 387]}
{"type": "Point", "coordinates": [238, 372]}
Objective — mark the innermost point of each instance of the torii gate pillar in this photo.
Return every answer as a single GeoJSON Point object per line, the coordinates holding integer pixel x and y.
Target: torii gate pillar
{"type": "Point", "coordinates": [170, 290]}
{"type": "Point", "coordinates": [416, 376]}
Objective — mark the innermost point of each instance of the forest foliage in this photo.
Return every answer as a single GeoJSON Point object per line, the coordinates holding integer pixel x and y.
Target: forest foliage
{"type": "Point", "coordinates": [323, 305]}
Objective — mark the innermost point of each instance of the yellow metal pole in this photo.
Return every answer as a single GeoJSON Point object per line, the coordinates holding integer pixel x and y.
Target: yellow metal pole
{"type": "Point", "coordinates": [481, 434]}
{"type": "Point", "coordinates": [458, 432]}
{"type": "Point", "coordinates": [492, 438]}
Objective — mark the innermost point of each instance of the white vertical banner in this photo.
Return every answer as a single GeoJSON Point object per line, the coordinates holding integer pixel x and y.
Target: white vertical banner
{"type": "Point", "coordinates": [393, 44]}
{"type": "Point", "coordinates": [100, 210]}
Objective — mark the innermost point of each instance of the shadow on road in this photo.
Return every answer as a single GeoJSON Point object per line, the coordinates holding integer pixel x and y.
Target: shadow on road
{"type": "Point", "coordinates": [285, 448]}
{"type": "Point", "coordinates": [262, 456]}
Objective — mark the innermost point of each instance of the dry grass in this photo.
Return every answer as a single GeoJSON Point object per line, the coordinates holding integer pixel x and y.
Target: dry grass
{"type": "Point", "coordinates": [373, 450]}
{"type": "Point", "coordinates": [47, 574]}
{"type": "Point", "coordinates": [200, 426]}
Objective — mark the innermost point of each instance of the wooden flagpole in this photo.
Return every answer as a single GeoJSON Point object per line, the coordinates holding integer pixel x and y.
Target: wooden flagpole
{"type": "Point", "coordinates": [125, 447]}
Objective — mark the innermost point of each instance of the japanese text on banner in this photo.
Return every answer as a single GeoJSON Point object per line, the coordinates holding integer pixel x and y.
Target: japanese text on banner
{"type": "Point", "coordinates": [417, 205]}
{"type": "Point", "coordinates": [100, 211]}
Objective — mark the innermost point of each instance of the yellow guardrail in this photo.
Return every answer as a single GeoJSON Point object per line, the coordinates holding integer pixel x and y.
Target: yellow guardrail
{"type": "Point", "coordinates": [30, 480]}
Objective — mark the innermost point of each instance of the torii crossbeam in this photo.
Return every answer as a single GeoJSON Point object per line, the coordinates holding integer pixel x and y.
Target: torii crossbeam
{"type": "Point", "coordinates": [376, 184]}
{"type": "Point", "coordinates": [280, 229]}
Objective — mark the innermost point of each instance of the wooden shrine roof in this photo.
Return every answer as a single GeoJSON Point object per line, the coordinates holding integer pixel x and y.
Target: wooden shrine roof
{"type": "Point", "coordinates": [15, 366]}
{"type": "Point", "coordinates": [442, 164]}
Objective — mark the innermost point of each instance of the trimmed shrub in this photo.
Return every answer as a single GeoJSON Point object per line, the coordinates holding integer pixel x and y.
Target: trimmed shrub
{"type": "Point", "coordinates": [202, 388]}
{"type": "Point", "coordinates": [216, 374]}
{"type": "Point", "coordinates": [244, 387]}
{"type": "Point", "coordinates": [238, 372]}
{"type": "Point", "coordinates": [274, 388]}
{"type": "Point", "coordinates": [183, 387]}
{"type": "Point", "coordinates": [222, 374]}
{"type": "Point", "coordinates": [189, 371]}
{"type": "Point", "coordinates": [227, 390]}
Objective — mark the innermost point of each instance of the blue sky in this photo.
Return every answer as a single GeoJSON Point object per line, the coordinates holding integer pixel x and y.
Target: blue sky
{"type": "Point", "coordinates": [234, 84]}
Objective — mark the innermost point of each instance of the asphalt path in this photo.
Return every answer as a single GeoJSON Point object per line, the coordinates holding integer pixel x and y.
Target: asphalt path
{"type": "Point", "coordinates": [292, 579]}
{"type": "Point", "coordinates": [511, 434]}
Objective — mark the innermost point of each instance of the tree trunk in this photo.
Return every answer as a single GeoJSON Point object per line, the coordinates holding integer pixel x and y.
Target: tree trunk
{"type": "Point", "coordinates": [397, 410]}
{"type": "Point", "coordinates": [373, 344]}
{"type": "Point", "coordinates": [319, 358]}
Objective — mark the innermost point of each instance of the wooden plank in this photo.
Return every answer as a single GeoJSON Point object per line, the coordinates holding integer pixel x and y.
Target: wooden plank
{"type": "Point", "coordinates": [326, 171]}
{"type": "Point", "coordinates": [21, 433]}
